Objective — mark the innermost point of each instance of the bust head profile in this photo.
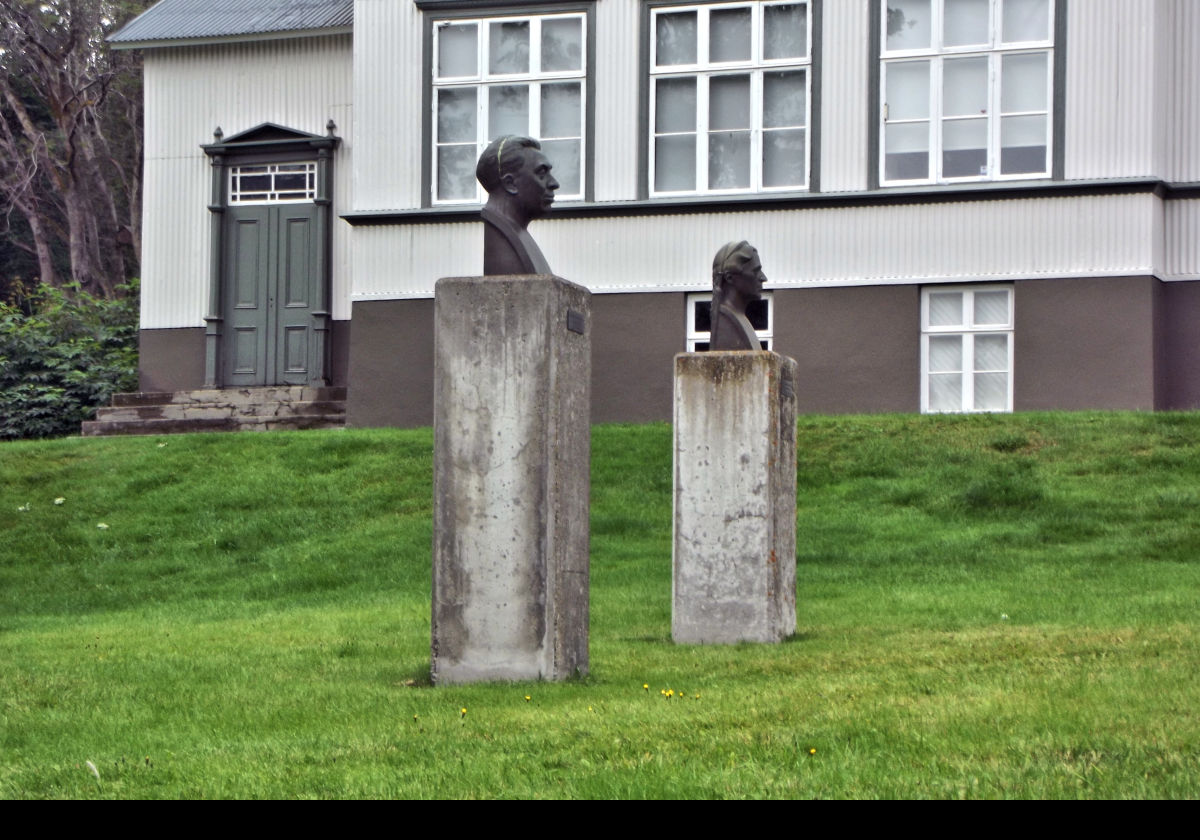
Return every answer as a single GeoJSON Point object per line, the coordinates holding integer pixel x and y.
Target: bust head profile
{"type": "Point", "coordinates": [737, 282]}
{"type": "Point", "coordinates": [517, 178]}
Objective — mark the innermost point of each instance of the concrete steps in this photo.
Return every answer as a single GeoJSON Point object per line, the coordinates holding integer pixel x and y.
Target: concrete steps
{"type": "Point", "coordinates": [229, 410]}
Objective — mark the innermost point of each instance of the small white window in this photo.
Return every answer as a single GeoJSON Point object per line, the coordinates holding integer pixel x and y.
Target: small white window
{"type": "Point", "coordinates": [965, 88]}
{"type": "Point", "coordinates": [761, 314]}
{"type": "Point", "coordinates": [966, 349]}
{"type": "Point", "coordinates": [273, 183]}
{"type": "Point", "coordinates": [729, 98]}
{"type": "Point", "coordinates": [511, 75]}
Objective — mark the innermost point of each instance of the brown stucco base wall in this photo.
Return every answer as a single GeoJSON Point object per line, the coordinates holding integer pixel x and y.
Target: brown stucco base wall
{"type": "Point", "coordinates": [1087, 343]}
{"type": "Point", "coordinates": [171, 360]}
{"type": "Point", "coordinates": [391, 364]}
{"type": "Point", "coordinates": [858, 348]}
{"type": "Point", "coordinates": [1180, 322]}
{"type": "Point", "coordinates": [391, 359]}
{"type": "Point", "coordinates": [634, 341]}
{"type": "Point", "coordinates": [1081, 343]}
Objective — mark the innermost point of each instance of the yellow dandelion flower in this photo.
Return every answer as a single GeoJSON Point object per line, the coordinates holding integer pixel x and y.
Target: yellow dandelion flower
{"type": "Point", "coordinates": [527, 698]}
{"type": "Point", "coordinates": [812, 751]}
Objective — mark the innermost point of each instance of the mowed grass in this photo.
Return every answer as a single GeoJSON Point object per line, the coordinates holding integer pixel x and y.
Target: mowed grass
{"type": "Point", "coordinates": [987, 607]}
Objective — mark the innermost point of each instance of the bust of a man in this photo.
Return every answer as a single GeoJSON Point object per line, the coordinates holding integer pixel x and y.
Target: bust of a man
{"type": "Point", "coordinates": [737, 282]}
{"type": "Point", "coordinates": [520, 188]}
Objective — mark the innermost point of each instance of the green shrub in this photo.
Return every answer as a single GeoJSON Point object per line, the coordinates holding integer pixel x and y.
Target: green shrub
{"type": "Point", "coordinates": [63, 355]}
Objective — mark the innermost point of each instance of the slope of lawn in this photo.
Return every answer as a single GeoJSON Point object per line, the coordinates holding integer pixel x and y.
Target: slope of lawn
{"type": "Point", "coordinates": [989, 606]}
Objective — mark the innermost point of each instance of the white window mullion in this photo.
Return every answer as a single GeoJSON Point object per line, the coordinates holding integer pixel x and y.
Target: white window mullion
{"type": "Point", "coordinates": [968, 362]}
{"type": "Point", "coordinates": [756, 129]}
{"type": "Point", "coordinates": [994, 83]}
{"type": "Point", "coordinates": [935, 116]}
{"type": "Point", "coordinates": [702, 130]}
{"type": "Point", "coordinates": [535, 109]}
{"type": "Point", "coordinates": [535, 49]}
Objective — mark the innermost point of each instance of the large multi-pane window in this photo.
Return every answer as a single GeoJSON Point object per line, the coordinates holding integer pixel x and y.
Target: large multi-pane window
{"type": "Point", "coordinates": [966, 89]}
{"type": "Point", "coordinates": [729, 98]}
{"type": "Point", "coordinates": [507, 75]}
{"type": "Point", "coordinates": [966, 349]}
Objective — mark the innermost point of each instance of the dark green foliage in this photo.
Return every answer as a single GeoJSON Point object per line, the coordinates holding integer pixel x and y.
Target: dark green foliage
{"type": "Point", "coordinates": [62, 355]}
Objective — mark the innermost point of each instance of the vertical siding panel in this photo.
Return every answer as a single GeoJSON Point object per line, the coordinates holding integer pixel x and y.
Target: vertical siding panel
{"type": "Point", "coordinates": [844, 94]}
{"type": "Point", "coordinates": [300, 83]}
{"type": "Point", "coordinates": [389, 68]}
{"type": "Point", "coordinates": [1181, 84]}
{"type": "Point", "coordinates": [617, 70]}
{"type": "Point", "coordinates": [1110, 77]}
{"type": "Point", "coordinates": [1182, 245]}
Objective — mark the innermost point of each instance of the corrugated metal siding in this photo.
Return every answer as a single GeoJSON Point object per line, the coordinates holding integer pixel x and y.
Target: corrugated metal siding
{"type": "Point", "coordinates": [191, 90]}
{"type": "Point", "coordinates": [617, 75]}
{"type": "Point", "coordinates": [1180, 86]}
{"type": "Point", "coordinates": [185, 19]}
{"type": "Point", "coordinates": [175, 222]}
{"type": "Point", "coordinates": [844, 94]}
{"type": "Point", "coordinates": [1110, 118]}
{"type": "Point", "coordinates": [1081, 236]}
{"type": "Point", "coordinates": [1181, 228]}
{"type": "Point", "coordinates": [388, 81]}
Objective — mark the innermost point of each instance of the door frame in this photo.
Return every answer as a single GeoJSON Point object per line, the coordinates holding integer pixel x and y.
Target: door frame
{"type": "Point", "coordinates": [268, 143]}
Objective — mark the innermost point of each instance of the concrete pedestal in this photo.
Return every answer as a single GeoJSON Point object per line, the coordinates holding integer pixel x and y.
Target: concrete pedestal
{"type": "Point", "coordinates": [735, 498]}
{"type": "Point", "coordinates": [512, 444]}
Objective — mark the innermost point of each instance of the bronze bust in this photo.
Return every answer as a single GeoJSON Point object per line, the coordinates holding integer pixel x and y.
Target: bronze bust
{"type": "Point", "coordinates": [737, 282]}
{"type": "Point", "coordinates": [520, 188]}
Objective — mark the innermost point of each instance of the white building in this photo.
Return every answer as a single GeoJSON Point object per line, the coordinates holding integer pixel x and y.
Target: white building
{"type": "Point", "coordinates": [961, 205]}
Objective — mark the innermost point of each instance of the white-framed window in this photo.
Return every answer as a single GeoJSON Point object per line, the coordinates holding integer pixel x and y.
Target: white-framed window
{"type": "Point", "coordinates": [760, 313]}
{"type": "Point", "coordinates": [729, 98]}
{"type": "Point", "coordinates": [273, 183]}
{"type": "Point", "coordinates": [966, 348]}
{"type": "Point", "coordinates": [966, 90]}
{"type": "Point", "coordinates": [507, 75]}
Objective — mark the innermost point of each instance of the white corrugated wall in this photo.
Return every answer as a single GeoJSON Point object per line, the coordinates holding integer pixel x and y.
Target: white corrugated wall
{"type": "Point", "coordinates": [1181, 225]}
{"type": "Point", "coordinates": [1116, 126]}
{"type": "Point", "coordinates": [388, 80]}
{"type": "Point", "coordinates": [1180, 91]}
{"type": "Point", "coordinates": [617, 82]}
{"type": "Point", "coordinates": [1079, 236]}
{"type": "Point", "coordinates": [845, 89]}
{"type": "Point", "coordinates": [189, 91]}
{"type": "Point", "coordinates": [1110, 102]}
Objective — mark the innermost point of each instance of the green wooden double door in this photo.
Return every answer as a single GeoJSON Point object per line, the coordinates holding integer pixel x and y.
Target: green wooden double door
{"type": "Point", "coordinates": [272, 288]}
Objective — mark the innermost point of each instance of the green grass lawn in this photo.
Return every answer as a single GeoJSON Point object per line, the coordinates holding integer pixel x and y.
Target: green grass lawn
{"type": "Point", "coordinates": [988, 606]}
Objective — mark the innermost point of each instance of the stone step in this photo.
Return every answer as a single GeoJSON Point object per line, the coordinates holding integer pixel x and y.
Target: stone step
{"type": "Point", "coordinates": [172, 426]}
{"type": "Point", "coordinates": [228, 410]}
{"type": "Point", "coordinates": [215, 411]}
{"type": "Point", "coordinates": [232, 396]}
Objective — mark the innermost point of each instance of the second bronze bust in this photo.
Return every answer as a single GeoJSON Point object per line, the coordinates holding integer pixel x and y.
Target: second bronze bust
{"type": "Point", "coordinates": [737, 282]}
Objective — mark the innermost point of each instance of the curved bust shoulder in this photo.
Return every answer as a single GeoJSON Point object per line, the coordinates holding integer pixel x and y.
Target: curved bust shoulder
{"type": "Point", "coordinates": [508, 249]}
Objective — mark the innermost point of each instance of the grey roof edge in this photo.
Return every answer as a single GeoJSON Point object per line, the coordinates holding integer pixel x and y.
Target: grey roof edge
{"type": "Point", "coordinates": [230, 39]}
{"type": "Point", "coordinates": [180, 22]}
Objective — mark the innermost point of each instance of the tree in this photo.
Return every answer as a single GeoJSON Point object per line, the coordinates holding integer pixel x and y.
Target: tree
{"type": "Point", "coordinates": [70, 141]}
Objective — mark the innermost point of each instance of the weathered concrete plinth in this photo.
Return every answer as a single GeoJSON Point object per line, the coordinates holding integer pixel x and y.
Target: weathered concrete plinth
{"type": "Point", "coordinates": [512, 444]}
{"type": "Point", "coordinates": [735, 498]}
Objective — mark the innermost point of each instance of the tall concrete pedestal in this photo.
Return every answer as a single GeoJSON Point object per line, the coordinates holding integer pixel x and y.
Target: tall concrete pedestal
{"type": "Point", "coordinates": [735, 497]}
{"type": "Point", "coordinates": [512, 443]}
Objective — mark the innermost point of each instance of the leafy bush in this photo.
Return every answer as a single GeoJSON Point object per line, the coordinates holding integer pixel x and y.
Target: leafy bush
{"type": "Point", "coordinates": [63, 355]}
